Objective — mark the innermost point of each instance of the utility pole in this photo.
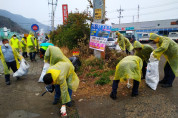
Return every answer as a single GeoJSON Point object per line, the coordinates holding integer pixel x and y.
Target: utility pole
{"type": "Point", "coordinates": [138, 12]}
{"type": "Point", "coordinates": [120, 12]}
{"type": "Point", "coordinates": [99, 4]}
{"type": "Point", "coordinates": [52, 13]}
{"type": "Point", "coordinates": [133, 19]}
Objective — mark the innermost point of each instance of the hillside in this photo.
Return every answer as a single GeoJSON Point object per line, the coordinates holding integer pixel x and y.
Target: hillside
{"type": "Point", "coordinates": [22, 21]}
{"type": "Point", "coordinates": [6, 22]}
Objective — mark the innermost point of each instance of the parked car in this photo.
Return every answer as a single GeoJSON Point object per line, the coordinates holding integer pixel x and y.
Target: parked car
{"type": "Point", "coordinates": [173, 36]}
{"type": "Point", "coordinates": [111, 43]}
{"type": "Point", "coordinates": [145, 37]}
{"type": "Point", "coordinates": [130, 36]}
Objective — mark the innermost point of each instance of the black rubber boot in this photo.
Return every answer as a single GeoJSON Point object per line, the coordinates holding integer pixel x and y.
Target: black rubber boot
{"type": "Point", "coordinates": [113, 96]}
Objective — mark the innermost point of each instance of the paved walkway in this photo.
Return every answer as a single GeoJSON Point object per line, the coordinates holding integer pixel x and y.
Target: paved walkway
{"type": "Point", "coordinates": [22, 99]}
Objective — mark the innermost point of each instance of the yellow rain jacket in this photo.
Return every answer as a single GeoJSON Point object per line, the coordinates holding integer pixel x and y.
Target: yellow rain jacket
{"type": "Point", "coordinates": [30, 43]}
{"type": "Point", "coordinates": [129, 67]}
{"type": "Point", "coordinates": [169, 49]}
{"type": "Point", "coordinates": [16, 56]}
{"type": "Point", "coordinates": [36, 44]}
{"type": "Point", "coordinates": [15, 43]}
{"type": "Point", "coordinates": [24, 45]}
{"type": "Point", "coordinates": [63, 75]}
{"type": "Point", "coordinates": [124, 43]}
{"type": "Point", "coordinates": [144, 54]}
{"type": "Point", "coordinates": [54, 54]}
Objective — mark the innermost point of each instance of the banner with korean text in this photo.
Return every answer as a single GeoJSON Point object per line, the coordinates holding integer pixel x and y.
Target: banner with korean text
{"type": "Point", "coordinates": [98, 36]}
{"type": "Point", "coordinates": [65, 13]}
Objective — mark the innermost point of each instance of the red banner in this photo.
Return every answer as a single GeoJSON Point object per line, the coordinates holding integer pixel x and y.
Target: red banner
{"type": "Point", "coordinates": [65, 13]}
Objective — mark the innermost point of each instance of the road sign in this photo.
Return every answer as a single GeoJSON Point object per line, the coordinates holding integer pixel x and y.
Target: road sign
{"type": "Point", "coordinates": [97, 13]}
{"type": "Point", "coordinates": [35, 27]}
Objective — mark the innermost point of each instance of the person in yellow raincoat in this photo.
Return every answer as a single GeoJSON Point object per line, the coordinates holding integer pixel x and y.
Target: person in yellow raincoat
{"type": "Point", "coordinates": [143, 51]}
{"type": "Point", "coordinates": [124, 43]}
{"type": "Point", "coordinates": [36, 48]}
{"type": "Point", "coordinates": [129, 67]}
{"type": "Point", "coordinates": [52, 56]}
{"type": "Point", "coordinates": [9, 58]}
{"type": "Point", "coordinates": [24, 47]}
{"type": "Point", "coordinates": [63, 75]}
{"type": "Point", "coordinates": [14, 41]}
{"type": "Point", "coordinates": [31, 46]}
{"type": "Point", "coordinates": [169, 49]}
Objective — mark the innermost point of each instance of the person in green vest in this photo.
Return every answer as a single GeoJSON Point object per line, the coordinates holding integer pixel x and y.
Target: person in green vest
{"type": "Point", "coordinates": [31, 46]}
{"type": "Point", "coordinates": [9, 58]}
{"type": "Point", "coordinates": [143, 51]}
{"type": "Point", "coordinates": [124, 43]}
{"type": "Point", "coordinates": [14, 41]}
{"type": "Point", "coordinates": [169, 49]}
{"type": "Point", "coordinates": [24, 47]}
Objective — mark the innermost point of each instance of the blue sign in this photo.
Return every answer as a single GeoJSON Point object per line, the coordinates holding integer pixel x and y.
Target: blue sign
{"type": "Point", "coordinates": [100, 30]}
{"type": "Point", "coordinates": [35, 27]}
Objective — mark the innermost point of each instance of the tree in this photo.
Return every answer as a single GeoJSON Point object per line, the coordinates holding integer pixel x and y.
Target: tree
{"type": "Point", "coordinates": [75, 28]}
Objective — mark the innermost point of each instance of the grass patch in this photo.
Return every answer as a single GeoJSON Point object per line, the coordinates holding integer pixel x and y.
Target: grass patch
{"type": "Point", "coordinates": [103, 80]}
{"type": "Point", "coordinates": [105, 77]}
{"type": "Point", "coordinates": [92, 70]}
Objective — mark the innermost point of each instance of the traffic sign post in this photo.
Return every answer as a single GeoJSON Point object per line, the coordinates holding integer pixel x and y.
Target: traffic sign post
{"type": "Point", "coordinates": [35, 28]}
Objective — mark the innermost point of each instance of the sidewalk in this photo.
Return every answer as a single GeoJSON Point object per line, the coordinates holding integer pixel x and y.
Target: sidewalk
{"type": "Point", "coordinates": [22, 99]}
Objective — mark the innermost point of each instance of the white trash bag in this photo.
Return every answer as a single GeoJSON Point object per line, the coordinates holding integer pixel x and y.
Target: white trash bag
{"type": "Point", "coordinates": [45, 68]}
{"type": "Point", "coordinates": [23, 70]}
{"type": "Point", "coordinates": [118, 49]}
{"type": "Point", "coordinates": [152, 74]}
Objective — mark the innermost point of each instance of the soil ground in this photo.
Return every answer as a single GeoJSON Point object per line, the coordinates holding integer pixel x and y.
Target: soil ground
{"type": "Point", "coordinates": [161, 103]}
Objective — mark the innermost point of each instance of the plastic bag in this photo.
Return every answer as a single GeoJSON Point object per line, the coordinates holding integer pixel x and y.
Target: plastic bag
{"type": "Point", "coordinates": [23, 70]}
{"type": "Point", "coordinates": [152, 74]}
{"type": "Point", "coordinates": [118, 48]}
{"type": "Point", "coordinates": [45, 68]}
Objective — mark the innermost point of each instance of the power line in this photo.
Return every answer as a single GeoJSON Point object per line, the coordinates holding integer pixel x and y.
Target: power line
{"type": "Point", "coordinates": [149, 7]}
{"type": "Point", "coordinates": [155, 12]}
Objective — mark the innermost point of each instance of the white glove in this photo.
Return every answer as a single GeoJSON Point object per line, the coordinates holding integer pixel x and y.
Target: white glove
{"type": "Point", "coordinates": [63, 110]}
{"type": "Point", "coordinates": [152, 58]}
{"type": "Point", "coordinates": [128, 84]}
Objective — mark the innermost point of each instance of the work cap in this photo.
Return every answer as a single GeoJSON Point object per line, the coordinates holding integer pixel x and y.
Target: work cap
{"type": "Point", "coordinates": [153, 36]}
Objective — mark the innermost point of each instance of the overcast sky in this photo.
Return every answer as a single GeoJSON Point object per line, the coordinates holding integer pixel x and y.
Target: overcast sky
{"type": "Point", "coordinates": [149, 9]}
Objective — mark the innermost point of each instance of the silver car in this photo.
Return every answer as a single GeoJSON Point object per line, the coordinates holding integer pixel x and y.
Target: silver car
{"type": "Point", "coordinates": [111, 43]}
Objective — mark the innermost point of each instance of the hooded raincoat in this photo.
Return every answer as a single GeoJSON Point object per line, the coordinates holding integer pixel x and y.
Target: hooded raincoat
{"type": "Point", "coordinates": [15, 43]}
{"type": "Point", "coordinates": [145, 52]}
{"type": "Point", "coordinates": [63, 75]}
{"type": "Point", "coordinates": [16, 56]}
{"type": "Point", "coordinates": [24, 45]}
{"type": "Point", "coordinates": [54, 54]}
{"type": "Point", "coordinates": [124, 43]}
{"type": "Point", "coordinates": [30, 43]}
{"type": "Point", "coordinates": [169, 49]}
{"type": "Point", "coordinates": [129, 67]}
